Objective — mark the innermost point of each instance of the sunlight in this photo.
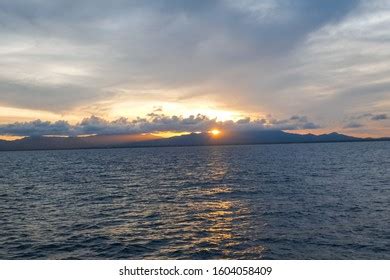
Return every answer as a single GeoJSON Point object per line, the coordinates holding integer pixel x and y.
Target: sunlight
{"type": "Point", "coordinates": [215, 132]}
{"type": "Point", "coordinates": [168, 134]}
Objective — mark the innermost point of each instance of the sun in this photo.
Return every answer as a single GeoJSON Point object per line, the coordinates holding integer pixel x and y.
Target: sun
{"type": "Point", "coordinates": [215, 132]}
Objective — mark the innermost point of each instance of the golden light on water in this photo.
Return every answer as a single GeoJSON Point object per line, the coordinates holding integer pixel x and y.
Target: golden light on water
{"type": "Point", "coordinates": [10, 138]}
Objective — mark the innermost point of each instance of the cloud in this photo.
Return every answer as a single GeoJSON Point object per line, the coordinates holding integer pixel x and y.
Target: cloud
{"type": "Point", "coordinates": [49, 97]}
{"type": "Point", "coordinates": [72, 54]}
{"type": "Point", "coordinates": [371, 116]}
{"type": "Point", "coordinates": [36, 128]}
{"type": "Point", "coordinates": [151, 124]}
{"type": "Point", "coordinates": [368, 120]}
{"type": "Point", "coordinates": [295, 122]}
{"type": "Point", "coordinates": [353, 125]}
{"type": "Point", "coordinates": [341, 68]}
{"type": "Point", "coordinates": [379, 117]}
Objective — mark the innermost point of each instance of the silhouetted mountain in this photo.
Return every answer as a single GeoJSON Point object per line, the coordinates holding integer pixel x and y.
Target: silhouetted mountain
{"type": "Point", "coordinates": [193, 139]}
{"type": "Point", "coordinates": [246, 137]}
{"type": "Point", "coordinates": [52, 143]}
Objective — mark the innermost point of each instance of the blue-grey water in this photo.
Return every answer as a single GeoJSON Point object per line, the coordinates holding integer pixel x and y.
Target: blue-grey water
{"type": "Point", "coordinates": [297, 201]}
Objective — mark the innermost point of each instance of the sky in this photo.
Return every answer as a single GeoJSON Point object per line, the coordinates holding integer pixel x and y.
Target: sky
{"type": "Point", "coordinates": [75, 68]}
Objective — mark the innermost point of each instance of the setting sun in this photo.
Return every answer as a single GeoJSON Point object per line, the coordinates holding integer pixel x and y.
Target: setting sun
{"type": "Point", "coordinates": [215, 132]}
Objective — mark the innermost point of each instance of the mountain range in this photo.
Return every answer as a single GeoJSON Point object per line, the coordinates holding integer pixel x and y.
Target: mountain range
{"type": "Point", "coordinates": [193, 139]}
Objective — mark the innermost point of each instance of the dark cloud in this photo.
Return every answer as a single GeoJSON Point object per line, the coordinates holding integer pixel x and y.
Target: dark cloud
{"type": "Point", "coordinates": [353, 125]}
{"type": "Point", "coordinates": [371, 116]}
{"type": "Point", "coordinates": [379, 117]}
{"type": "Point", "coordinates": [153, 123]}
{"type": "Point", "coordinates": [295, 122]}
{"type": "Point", "coordinates": [36, 128]}
{"type": "Point", "coordinates": [362, 120]}
{"type": "Point", "coordinates": [161, 44]}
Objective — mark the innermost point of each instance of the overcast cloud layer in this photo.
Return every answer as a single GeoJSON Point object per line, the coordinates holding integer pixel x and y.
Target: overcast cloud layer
{"type": "Point", "coordinates": [327, 60]}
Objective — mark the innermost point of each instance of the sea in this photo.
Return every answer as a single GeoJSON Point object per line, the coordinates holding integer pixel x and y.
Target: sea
{"type": "Point", "coordinates": [281, 201]}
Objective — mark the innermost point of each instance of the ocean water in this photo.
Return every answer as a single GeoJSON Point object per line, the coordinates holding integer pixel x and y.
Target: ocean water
{"type": "Point", "coordinates": [296, 201]}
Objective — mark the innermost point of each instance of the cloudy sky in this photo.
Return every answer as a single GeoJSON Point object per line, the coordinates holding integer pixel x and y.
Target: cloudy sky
{"type": "Point", "coordinates": [101, 67]}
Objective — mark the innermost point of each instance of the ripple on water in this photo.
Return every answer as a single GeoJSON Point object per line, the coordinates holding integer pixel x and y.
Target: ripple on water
{"type": "Point", "coordinates": [314, 201]}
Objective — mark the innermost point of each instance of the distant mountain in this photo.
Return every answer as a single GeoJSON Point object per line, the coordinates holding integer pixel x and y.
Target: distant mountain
{"type": "Point", "coordinates": [246, 137]}
{"type": "Point", "coordinates": [53, 143]}
{"type": "Point", "coordinates": [193, 139]}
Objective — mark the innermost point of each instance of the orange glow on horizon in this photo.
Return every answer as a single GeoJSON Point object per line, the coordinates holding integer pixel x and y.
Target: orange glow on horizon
{"type": "Point", "coordinates": [168, 134]}
{"type": "Point", "coordinates": [215, 132]}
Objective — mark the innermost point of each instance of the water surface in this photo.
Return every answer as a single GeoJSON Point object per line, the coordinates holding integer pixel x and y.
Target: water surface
{"type": "Point", "coordinates": [297, 201]}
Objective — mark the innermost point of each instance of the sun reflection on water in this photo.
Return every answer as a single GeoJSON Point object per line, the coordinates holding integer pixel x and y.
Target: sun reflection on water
{"type": "Point", "coordinates": [203, 217]}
